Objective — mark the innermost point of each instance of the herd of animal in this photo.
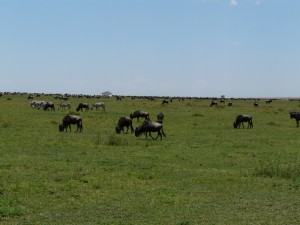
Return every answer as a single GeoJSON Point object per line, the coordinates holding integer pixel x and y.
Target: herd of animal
{"type": "Point", "coordinates": [65, 105]}
{"type": "Point", "coordinates": [147, 126]}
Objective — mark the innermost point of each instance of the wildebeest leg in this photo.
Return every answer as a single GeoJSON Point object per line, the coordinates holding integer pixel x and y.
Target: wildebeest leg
{"type": "Point", "coordinates": [162, 131]}
{"type": "Point", "coordinates": [131, 127]}
{"type": "Point", "coordinates": [127, 130]}
{"type": "Point", "coordinates": [150, 135]}
{"type": "Point", "coordinates": [159, 134]}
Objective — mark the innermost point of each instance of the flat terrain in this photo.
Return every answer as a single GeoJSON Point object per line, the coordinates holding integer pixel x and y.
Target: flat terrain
{"type": "Point", "coordinates": [203, 172]}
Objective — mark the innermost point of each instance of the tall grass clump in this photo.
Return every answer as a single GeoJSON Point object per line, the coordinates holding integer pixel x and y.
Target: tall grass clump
{"type": "Point", "coordinates": [272, 169]}
{"type": "Point", "coordinates": [115, 140]}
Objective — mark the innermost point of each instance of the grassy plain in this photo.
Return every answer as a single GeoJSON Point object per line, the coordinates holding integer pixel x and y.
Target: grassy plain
{"type": "Point", "coordinates": [203, 172]}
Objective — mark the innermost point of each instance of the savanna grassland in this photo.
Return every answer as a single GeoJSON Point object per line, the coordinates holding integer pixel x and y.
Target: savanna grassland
{"type": "Point", "coordinates": [203, 172]}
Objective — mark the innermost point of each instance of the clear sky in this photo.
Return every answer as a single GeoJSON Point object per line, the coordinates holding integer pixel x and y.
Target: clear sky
{"type": "Point", "coordinates": [200, 48]}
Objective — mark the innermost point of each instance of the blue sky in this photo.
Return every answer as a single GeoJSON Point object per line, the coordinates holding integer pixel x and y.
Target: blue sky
{"type": "Point", "coordinates": [202, 48]}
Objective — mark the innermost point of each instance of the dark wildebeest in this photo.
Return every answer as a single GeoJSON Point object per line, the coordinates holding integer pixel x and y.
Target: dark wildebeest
{"type": "Point", "coordinates": [137, 114]}
{"type": "Point", "coordinates": [149, 126]}
{"type": "Point", "coordinates": [213, 103]}
{"type": "Point", "coordinates": [240, 119]}
{"type": "Point", "coordinates": [230, 103]}
{"type": "Point", "coordinates": [164, 102]}
{"type": "Point", "coordinates": [296, 116]}
{"type": "Point", "coordinates": [268, 101]}
{"type": "Point", "coordinates": [48, 105]}
{"type": "Point", "coordinates": [68, 120]}
{"type": "Point", "coordinates": [160, 117]}
{"type": "Point", "coordinates": [255, 104]}
{"type": "Point", "coordinates": [82, 106]}
{"type": "Point", "coordinates": [98, 105]}
{"type": "Point", "coordinates": [124, 122]}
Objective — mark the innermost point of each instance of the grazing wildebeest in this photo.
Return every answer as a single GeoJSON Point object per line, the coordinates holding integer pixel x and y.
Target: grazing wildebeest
{"type": "Point", "coordinates": [149, 126]}
{"type": "Point", "coordinates": [268, 101]}
{"type": "Point", "coordinates": [240, 119]}
{"type": "Point", "coordinates": [37, 104]}
{"type": "Point", "coordinates": [68, 120]}
{"type": "Point", "coordinates": [82, 106]}
{"type": "Point", "coordinates": [255, 104]}
{"type": "Point", "coordinates": [160, 117]}
{"type": "Point", "coordinates": [164, 102]}
{"type": "Point", "coordinates": [98, 105]}
{"type": "Point", "coordinates": [230, 103]}
{"type": "Point", "coordinates": [49, 105]}
{"type": "Point", "coordinates": [137, 114]}
{"type": "Point", "coordinates": [124, 122]}
{"type": "Point", "coordinates": [296, 116]}
{"type": "Point", "coordinates": [213, 103]}
{"type": "Point", "coordinates": [64, 105]}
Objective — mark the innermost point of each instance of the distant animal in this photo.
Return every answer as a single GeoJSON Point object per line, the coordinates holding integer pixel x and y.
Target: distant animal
{"type": "Point", "coordinates": [213, 103]}
{"type": "Point", "coordinates": [230, 103]}
{"type": "Point", "coordinates": [124, 122]}
{"type": "Point", "coordinates": [268, 101]}
{"type": "Point", "coordinates": [49, 105]}
{"type": "Point", "coordinates": [98, 105]}
{"type": "Point", "coordinates": [255, 104]}
{"type": "Point", "coordinates": [296, 116]}
{"type": "Point", "coordinates": [119, 98]}
{"type": "Point", "coordinates": [137, 114]}
{"type": "Point", "coordinates": [68, 120]}
{"type": "Point", "coordinates": [30, 97]}
{"type": "Point", "coordinates": [222, 101]}
{"type": "Point", "coordinates": [160, 117]}
{"type": "Point", "coordinates": [240, 119]}
{"type": "Point", "coordinates": [82, 106]}
{"type": "Point", "coordinates": [37, 104]}
{"type": "Point", "coordinates": [64, 105]}
{"type": "Point", "coordinates": [164, 102]}
{"type": "Point", "coordinates": [148, 127]}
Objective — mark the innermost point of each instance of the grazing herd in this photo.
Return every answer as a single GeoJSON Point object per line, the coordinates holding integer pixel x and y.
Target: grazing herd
{"type": "Point", "coordinates": [125, 123]}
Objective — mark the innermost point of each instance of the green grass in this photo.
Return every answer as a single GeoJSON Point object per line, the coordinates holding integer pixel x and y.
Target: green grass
{"type": "Point", "coordinates": [203, 172]}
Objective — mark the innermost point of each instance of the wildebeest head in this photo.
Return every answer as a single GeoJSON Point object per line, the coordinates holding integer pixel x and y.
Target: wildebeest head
{"type": "Point", "coordinates": [118, 129]}
{"type": "Point", "coordinates": [137, 131]}
{"type": "Point", "coordinates": [61, 127]}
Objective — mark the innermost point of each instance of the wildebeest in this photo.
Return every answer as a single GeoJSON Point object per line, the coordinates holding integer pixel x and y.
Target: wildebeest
{"type": "Point", "coordinates": [49, 105]}
{"type": "Point", "coordinates": [98, 105]}
{"type": "Point", "coordinates": [213, 103]}
{"type": "Point", "coordinates": [230, 103]}
{"type": "Point", "coordinates": [30, 97]}
{"type": "Point", "coordinates": [160, 117]}
{"type": "Point", "coordinates": [164, 102]}
{"type": "Point", "coordinates": [124, 122]}
{"type": "Point", "coordinates": [137, 114]}
{"type": "Point", "coordinates": [64, 105]}
{"type": "Point", "coordinates": [82, 106]}
{"type": "Point", "coordinates": [240, 119]}
{"type": "Point", "coordinates": [268, 101]}
{"type": "Point", "coordinates": [37, 104]}
{"type": "Point", "coordinates": [255, 104]}
{"type": "Point", "coordinates": [68, 120]}
{"type": "Point", "coordinates": [148, 126]}
{"type": "Point", "coordinates": [296, 116]}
